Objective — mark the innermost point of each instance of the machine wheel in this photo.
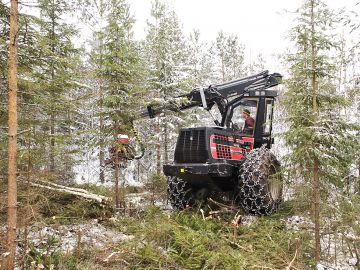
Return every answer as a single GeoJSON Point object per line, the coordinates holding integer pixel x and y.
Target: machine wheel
{"type": "Point", "coordinates": [259, 188]}
{"type": "Point", "coordinates": [180, 193]}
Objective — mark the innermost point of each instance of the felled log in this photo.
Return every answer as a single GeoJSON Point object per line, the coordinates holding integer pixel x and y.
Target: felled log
{"type": "Point", "coordinates": [103, 200]}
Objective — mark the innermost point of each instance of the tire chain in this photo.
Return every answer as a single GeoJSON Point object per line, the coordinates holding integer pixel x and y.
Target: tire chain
{"type": "Point", "coordinates": [180, 193]}
{"type": "Point", "coordinates": [253, 192]}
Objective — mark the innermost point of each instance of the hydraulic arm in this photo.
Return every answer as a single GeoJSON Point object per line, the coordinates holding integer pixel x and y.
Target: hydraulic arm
{"type": "Point", "coordinates": [217, 94]}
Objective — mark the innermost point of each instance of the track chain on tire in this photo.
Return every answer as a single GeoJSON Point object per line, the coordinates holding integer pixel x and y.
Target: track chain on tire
{"type": "Point", "coordinates": [180, 193]}
{"type": "Point", "coordinates": [253, 190]}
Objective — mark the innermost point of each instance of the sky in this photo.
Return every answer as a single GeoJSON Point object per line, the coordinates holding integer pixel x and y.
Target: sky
{"type": "Point", "coordinates": [261, 25]}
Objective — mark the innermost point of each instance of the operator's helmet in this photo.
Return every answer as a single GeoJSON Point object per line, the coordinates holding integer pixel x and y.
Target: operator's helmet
{"type": "Point", "coordinates": [122, 138]}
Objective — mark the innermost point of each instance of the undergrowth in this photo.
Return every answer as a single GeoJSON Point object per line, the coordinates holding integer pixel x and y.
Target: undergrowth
{"type": "Point", "coordinates": [188, 241]}
{"type": "Point", "coordinates": [185, 240]}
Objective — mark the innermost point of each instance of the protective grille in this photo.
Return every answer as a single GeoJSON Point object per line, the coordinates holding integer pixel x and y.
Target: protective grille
{"type": "Point", "coordinates": [223, 151]}
{"type": "Point", "coordinates": [222, 146]}
{"type": "Point", "coordinates": [191, 147]}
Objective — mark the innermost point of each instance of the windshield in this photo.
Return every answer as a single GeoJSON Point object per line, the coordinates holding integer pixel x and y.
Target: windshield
{"type": "Point", "coordinates": [244, 116]}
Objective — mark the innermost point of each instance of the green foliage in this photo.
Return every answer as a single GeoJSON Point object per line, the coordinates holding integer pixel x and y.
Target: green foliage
{"type": "Point", "coordinates": [166, 52]}
{"type": "Point", "coordinates": [230, 56]}
{"type": "Point", "coordinates": [47, 65]}
{"type": "Point", "coordinates": [186, 240]}
{"type": "Point", "coordinates": [66, 209]}
{"type": "Point", "coordinates": [46, 254]}
{"type": "Point", "coordinates": [156, 183]}
{"type": "Point", "coordinates": [317, 127]}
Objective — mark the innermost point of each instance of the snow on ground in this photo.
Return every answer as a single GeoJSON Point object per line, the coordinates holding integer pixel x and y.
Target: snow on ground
{"type": "Point", "coordinates": [297, 223]}
{"type": "Point", "coordinates": [337, 259]}
{"type": "Point", "coordinates": [92, 235]}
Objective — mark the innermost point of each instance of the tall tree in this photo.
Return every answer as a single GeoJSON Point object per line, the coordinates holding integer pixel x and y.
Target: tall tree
{"type": "Point", "coordinates": [230, 57]}
{"type": "Point", "coordinates": [95, 13]}
{"type": "Point", "coordinates": [122, 73]}
{"type": "Point", "coordinates": [12, 148]}
{"type": "Point", "coordinates": [200, 61]}
{"type": "Point", "coordinates": [321, 140]}
{"type": "Point", "coordinates": [168, 64]}
{"type": "Point", "coordinates": [56, 76]}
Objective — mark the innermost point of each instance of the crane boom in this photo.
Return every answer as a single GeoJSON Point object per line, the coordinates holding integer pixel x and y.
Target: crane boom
{"type": "Point", "coordinates": [216, 94]}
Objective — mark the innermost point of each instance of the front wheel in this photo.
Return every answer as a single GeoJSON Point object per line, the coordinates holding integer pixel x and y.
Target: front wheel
{"type": "Point", "coordinates": [180, 193]}
{"type": "Point", "coordinates": [259, 187]}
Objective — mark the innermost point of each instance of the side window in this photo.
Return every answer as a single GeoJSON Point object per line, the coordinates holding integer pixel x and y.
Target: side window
{"type": "Point", "coordinates": [244, 116]}
{"type": "Point", "coordinates": [268, 116]}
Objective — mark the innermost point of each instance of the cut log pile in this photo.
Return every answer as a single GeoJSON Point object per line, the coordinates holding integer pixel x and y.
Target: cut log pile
{"type": "Point", "coordinates": [102, 200]}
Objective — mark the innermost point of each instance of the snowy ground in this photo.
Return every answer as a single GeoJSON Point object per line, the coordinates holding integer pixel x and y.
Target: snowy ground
{"type": "Point", "coordinates": [65, 237]}
{"type": "Point", "coordinates": [91, 235]}
{"type": "Point", "coordinates": [339, 259]}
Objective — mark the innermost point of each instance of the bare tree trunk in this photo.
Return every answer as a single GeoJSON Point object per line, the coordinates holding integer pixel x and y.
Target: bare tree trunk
{"type": "Point", "coordinates": [316, 180]}
{"type": "Point", "coordinates": [12, 122]}
{"type": "Point", "coordinates": [101, 141]}
{"type": "Point", "coordinates": [116, 175]}
{"type": "Point", "coordinates": [223, 68]}
{"type": "Point", "coordinates": [138, 170]}
{"type": "Point", "coordinates": [166, 156]}
{"type": "Point", "coordinates": [101, 105]}
{"type": "Point", "coordinates": [316, 206]}
{"type": "Point", "coordinates": [116, 172]}
{"type": "Point", "coordinates": [52, 141]}
{"type": "Point", "coordinates": [52, 114]}
{"type": "Point", "coordinates": [158, 148]}
{"type": "Point", "coordinates": [27, 207]}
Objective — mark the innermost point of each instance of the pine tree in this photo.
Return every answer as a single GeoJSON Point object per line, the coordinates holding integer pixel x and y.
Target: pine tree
{"type": "Point", "coordinates": [200, 61]}
{"type": "Point", "coordinates": [230, 56]}
{"type": "Point", "coordinates": [322, 142]}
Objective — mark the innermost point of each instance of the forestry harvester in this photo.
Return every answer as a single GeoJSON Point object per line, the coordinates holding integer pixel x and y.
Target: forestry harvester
{"type": "Point", "coordinates": [231, 157]}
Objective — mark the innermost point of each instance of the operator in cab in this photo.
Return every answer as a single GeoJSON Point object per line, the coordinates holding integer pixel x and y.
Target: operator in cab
{"type": "Point", "coordinates": [249, 122]}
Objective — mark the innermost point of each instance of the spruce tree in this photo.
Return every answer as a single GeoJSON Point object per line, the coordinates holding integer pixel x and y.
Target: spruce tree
{"type": "Point", "coordinates": [321, 141]}
{"type": "Point", "coordinates": [95, 13]}
{"type": "Point", "coordinates": [59, 61]}
{"type": "Point", "coordinates": [167, 62]}
{"type": "Point", "coordinates": [27, 62]}
{"type": "Point", "coordinates": [122, 74]}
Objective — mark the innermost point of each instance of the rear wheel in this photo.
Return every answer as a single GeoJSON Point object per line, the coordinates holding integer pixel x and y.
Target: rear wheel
{"type": "Point", "coordinates": [180, 193]}
{"type": "Point", "coordinates": [259, 188]}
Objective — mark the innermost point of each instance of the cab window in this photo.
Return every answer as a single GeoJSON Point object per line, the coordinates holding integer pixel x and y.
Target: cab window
{"type": "Point", "coordinates": [268, 116]}
{"type": "Point", "coordinates": [244, 116]}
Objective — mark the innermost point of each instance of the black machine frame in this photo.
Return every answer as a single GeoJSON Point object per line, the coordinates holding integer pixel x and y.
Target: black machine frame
{"type": "Point", "coordinates": [209, 170]}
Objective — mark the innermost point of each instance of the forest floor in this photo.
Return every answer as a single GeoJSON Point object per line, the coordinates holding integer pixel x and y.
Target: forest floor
{"type": "Point", "coordinates": [65, 232]}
